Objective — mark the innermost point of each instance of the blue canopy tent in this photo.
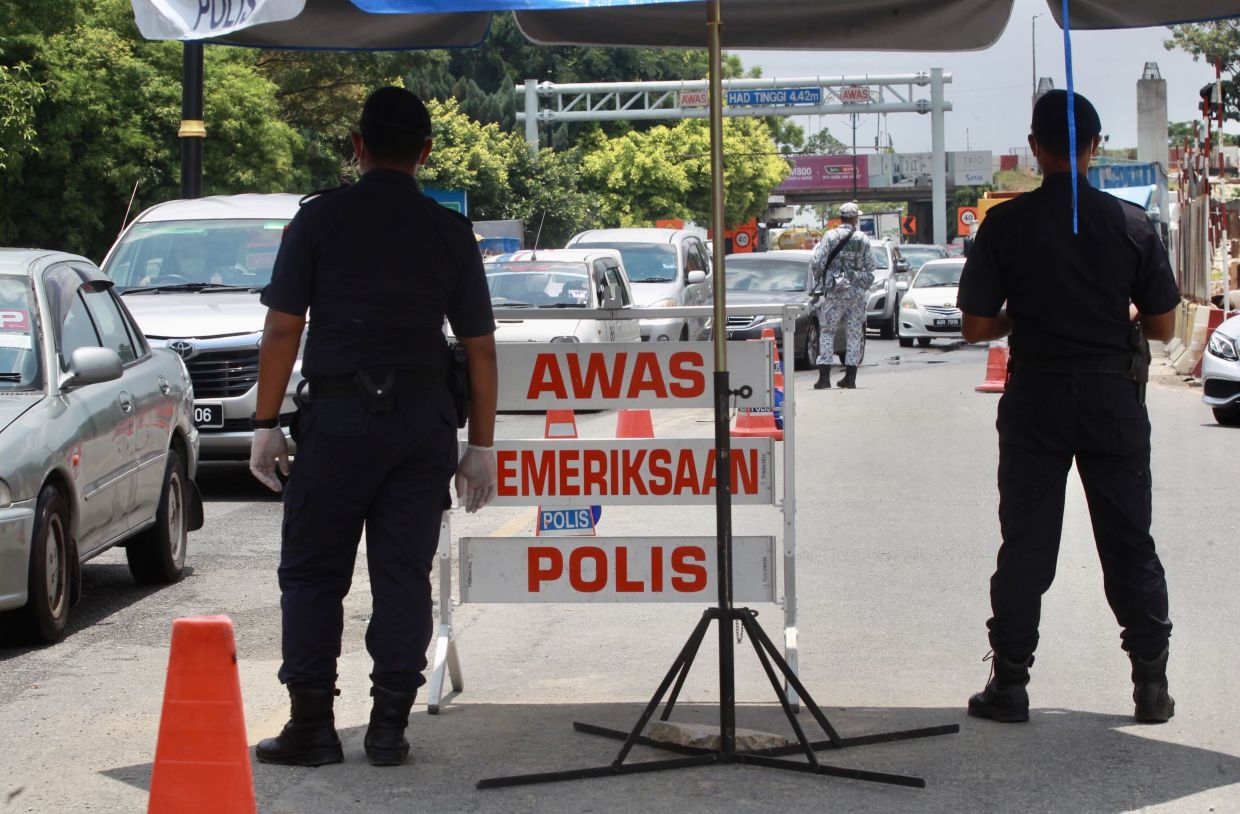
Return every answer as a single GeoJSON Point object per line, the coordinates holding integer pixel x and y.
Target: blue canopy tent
{"type": "Point", "coordinates": [887, 25]}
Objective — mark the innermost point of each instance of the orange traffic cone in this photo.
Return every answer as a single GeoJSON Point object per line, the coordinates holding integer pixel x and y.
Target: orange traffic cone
{"type": "Point", "coordinates": [202, 761]}
{"type": "Point", "coordinates": [560, 424]}
{"type": "Point", "coordinates": [634, 424]}
{"type": "Point", "coordinates": [760, 421]}
{"type": "Point", "coordinates": [996, 369]}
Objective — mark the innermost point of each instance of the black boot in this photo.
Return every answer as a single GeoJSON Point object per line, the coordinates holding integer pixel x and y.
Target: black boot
{"type": "Point", "coordinates": [1149, 689]}
{"type": "Point", "coordinates": [849, 382]}
{"type": "Point", "coordinates": [309, 738]}
{"type": "Point", "coordinates": [1004, 698]}
{"type": "Point", "coordinates": [385, 737]}
{"type": "Point", "coordinates": [824, 378]}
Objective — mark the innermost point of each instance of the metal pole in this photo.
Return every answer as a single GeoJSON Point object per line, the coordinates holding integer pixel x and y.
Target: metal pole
{"type": "Point", "coordinates": [854, 152]}
{"type": "Point", "coordinates": [1034, 47]}
{"type": "Point", "coordinates": [192, 131]}
{"type": "Point", "coordinates": [723, 445]}
{"type": "Point", "coordinates": [938, 177]}
{"type": "Point", "coordinates": [531, 116]}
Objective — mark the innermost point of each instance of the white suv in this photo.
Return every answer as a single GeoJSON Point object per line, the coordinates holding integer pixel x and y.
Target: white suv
{"type": "Point", "coordinates": [191, 273]}
{"type": "Point", "coordinates": [667, 268]}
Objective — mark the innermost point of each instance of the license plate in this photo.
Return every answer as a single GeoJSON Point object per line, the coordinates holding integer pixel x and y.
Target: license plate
{"type": "Point", "coordinates": [731, 334]}
{"type": "Point", "coordinates": [947, 323]}
{"type": "Point", "coordinates": [208, 415]}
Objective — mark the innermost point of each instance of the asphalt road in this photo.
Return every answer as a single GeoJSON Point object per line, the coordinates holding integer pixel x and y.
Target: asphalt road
{"type": "Point", "coordinates": [897, 533]}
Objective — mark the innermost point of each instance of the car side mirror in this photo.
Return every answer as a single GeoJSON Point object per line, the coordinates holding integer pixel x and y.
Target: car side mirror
{"type": "Point", "coordinates": [93, 366]}
{"type": "Point", "coordinates": [695, 276]}
{"type": "Point", "coordinates": [609, 296]}
{"type": "Point", "coordinates": [902, 265]}
{"type": "Point", "coordinates": [902, 285]}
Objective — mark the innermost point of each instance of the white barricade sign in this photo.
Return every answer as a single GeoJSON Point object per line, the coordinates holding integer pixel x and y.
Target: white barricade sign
{"type": "Point", "coordinates": [612, 569]}
{"type": "Point", "coordinates": [630, 375]}
{"type": "Point", "coordinates": [634, 471]}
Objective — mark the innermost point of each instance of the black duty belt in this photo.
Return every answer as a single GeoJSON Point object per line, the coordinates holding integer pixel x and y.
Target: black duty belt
{"type": "Point", "coordinates": [1121, 364]}
{"type": "Point", "coordinates": [406, 378]}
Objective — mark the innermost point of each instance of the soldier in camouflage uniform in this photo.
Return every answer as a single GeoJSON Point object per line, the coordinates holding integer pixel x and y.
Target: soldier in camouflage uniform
{"type": "Point", "coordinates": [843, 284]}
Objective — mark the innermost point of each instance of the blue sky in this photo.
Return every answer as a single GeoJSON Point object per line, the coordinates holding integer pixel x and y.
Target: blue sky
{"type": "Point", "coordinates": [991, 90]}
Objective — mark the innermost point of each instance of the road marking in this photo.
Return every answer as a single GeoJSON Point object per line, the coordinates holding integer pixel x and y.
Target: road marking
{"type": "Point", "coordinates": [512, 526]}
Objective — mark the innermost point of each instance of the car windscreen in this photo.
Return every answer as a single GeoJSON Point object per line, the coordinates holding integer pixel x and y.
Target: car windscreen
{"type": "Point", "coordinates": [766, 274]}
{"type": "Point", "coordinates": [919, 257]}
{"type": "Point", "coordinates": [880, 257]}
{"type": "Point", "coordinates": [20, 363]}
{"type": "Point", "coordinates": [183, 253]}
{"type": "Point", "coordinates": [939, 275]}
{"type": "Point", "coordinates": [643, 262]}
{"type": "Point", "coordinates": [557, 285]}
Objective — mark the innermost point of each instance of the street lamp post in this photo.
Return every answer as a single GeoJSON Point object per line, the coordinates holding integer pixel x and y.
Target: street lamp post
{"type": "Point", "coordinates": [1034, 53]}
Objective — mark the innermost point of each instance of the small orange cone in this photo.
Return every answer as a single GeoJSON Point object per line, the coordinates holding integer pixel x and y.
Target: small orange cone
{"type": "Point", "coordinates": [996, 369]}
{"type": "Point", "coordinates": [560, 424]}
{"type": "Point", "coordinates": [202, 760]}
{"type": "Point", "coordinates": [634, 424]}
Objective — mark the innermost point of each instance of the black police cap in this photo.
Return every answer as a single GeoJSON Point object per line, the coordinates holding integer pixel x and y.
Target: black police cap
{"type": "Point", "coordinates": [393, 108]}
{"type": "Point", "coordinates": [1050, 116]}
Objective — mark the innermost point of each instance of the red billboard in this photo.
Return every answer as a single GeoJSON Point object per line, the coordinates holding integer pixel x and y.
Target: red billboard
{"type": "Point", "coordinates": [815, 172]}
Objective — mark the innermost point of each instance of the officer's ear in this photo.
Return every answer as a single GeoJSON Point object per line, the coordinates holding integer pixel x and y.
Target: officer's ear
{"type": "Point", "coordinates": [426, 152]}
{"type": "Point", "coordinates": [359, 146]}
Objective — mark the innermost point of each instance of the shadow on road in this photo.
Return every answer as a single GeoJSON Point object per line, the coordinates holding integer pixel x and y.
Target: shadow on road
{"type": "Point", "coordinates": [231, 482]}
{"type": "Point", "coordinates": [1062, 760]}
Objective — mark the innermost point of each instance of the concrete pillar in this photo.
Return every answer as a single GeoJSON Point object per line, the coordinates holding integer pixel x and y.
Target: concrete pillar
{"type": "Point", "coordinates": [1152, 116]}
{"type": "Point", "coordinates": [938, 177]}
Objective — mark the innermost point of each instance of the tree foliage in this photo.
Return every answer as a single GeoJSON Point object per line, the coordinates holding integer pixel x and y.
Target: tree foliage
{"type": "Point", "coordinates": [1217, 41]}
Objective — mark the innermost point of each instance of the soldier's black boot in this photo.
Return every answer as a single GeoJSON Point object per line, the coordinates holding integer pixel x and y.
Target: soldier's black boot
{"type": "Point", "coordinates": [849, 382]}
{"type": "Point", "coordinates": [385, 737]}
{"type": "Point", "coordinates": [1154, 705]}
{"type": "Point", "coordinates": [1004, 697]}
{"type": "Point", "coordinates": [824, 378]}
{"type": "Point", "coordinates": [309, 738]}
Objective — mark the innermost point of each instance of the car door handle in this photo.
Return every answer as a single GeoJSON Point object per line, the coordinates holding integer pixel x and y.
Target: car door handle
{"type": "Point", "coordinates": [164, 387]}
{"type": "Point", "coordinates": [126, 402]}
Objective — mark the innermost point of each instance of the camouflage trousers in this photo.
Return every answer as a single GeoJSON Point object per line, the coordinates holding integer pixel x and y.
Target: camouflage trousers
{"type": "Point", "coordinates": [850, 309]}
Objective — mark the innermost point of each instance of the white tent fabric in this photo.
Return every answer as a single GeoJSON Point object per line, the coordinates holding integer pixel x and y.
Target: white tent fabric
{"type": "Point", "coordinates": [883, 25]}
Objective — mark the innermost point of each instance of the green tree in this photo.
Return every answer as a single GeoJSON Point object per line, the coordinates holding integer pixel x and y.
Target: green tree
{"type": "Point", "coordinates": [823, 143]}
{"type": "Point", "coordinates": [473, 157]}
{"type": "Point", "coordinates": [1217, 41]}
{"type": "Point", "coordinates": [19, 98]}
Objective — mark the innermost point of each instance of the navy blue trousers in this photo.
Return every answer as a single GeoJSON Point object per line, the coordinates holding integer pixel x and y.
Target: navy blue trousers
{"type": "Point", "coordinates": [1046, 421]}
{"type": "Point", "coordinates": [390, 475]}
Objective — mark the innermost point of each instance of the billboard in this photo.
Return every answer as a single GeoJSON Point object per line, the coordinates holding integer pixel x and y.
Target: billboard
{"type": "Point", "coordinates": [818, 172]}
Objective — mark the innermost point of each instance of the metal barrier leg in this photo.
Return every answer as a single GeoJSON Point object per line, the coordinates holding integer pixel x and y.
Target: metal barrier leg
{"type": "Point", "coordinates": [446, 659]}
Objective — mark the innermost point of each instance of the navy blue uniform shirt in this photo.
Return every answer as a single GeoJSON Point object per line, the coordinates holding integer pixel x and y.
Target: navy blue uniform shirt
{"type": "Point", "coordinates": [1067, 295]}
{"type": "Point", "coordinates": [378, 265]}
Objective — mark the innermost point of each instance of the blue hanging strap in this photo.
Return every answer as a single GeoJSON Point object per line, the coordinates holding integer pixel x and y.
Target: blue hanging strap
{"type": "Point", "coordinates": [1067, 55]}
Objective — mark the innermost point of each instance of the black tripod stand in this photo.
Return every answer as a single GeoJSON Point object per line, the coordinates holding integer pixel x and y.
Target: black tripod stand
{"type": "Point", "coordinates": [773, 664]}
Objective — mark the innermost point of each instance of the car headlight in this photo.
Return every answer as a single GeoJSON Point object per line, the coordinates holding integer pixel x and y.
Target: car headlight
{"type": "Point", "coordinates": [669, 302]}
{"type": "Point", "coordinates": [565, 339]}
{"type": "Point", "coordinates": [1223, 347]}
{"type": "Point", "coordinates": [881, 285]}
{"type": "Point", "coordinates": [909, 303]}
{"type": "Point", "coordinates": [6, 495]}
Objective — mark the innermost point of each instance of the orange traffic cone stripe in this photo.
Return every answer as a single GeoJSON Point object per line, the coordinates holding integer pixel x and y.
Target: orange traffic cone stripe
{"type": "Point", "coordinates": [996, 369]}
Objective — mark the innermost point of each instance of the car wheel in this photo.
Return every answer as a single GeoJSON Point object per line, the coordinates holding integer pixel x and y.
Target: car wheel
{"type": "Point", "coordinates": [157, 556]}
{"type": "Point", "coordinates": [42, 619]}
{"type": "Point", "coordinates": [811, 344]}
{"type": "Point", "coordinates": [923, 341]}
{"type": "Point", "coordinates": [906, 342]}
{"type": "Point", "coordinates": [891, 327]}
{"type": "Point", "coordinates": [1228, 416]}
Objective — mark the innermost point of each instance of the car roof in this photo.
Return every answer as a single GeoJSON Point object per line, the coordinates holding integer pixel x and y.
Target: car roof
{"type": "Point", "coordinates": [275, 206]}
{"type": "Point", "coordinates": [943, 261]}
{"type": "Point", "coordinates": [560, 255]}
{"type": "Point", "coordinates": [634, 235]}
{"type": "Point", "coordinates": [938, 246]}
{"type": "Point", "coordinates": [775, 254]}
{"type": "Point", "coordinates": [22, 261]}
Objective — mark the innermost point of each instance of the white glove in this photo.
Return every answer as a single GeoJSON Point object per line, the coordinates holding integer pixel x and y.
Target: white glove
{"type": "Point", "coordinates": [475, 477]}
{"type": "Point", "coordinates": [268, 448]}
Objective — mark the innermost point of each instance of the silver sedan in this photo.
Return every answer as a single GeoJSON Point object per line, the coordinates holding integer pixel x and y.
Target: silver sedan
{"type": "Point", "coordinates": [97, 443]}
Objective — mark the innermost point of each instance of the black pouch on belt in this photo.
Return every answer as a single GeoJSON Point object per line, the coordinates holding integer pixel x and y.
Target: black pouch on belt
{"type": "Point", "coordinates": [1141, 358]}
{"type": "Point", "coordinates": [377, 387]}
{"type": "Point", "coordinates": [458, 382]}
{"type": "Point", "coordinates": [301, 399]}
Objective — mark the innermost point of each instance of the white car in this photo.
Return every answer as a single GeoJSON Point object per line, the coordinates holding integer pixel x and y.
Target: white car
{"type": "Point", "coordinates": [1220, 372]}
{"type": "Point", "coordinates": [561, 278]}
{"type": "Point", "coordinates": [97, 445]}
{"type": "Point", "coordinates": [928, 308]}
{"type": "Point", "coordinates": [668, 268]}
{"type": "Point", "coordinates": [191, 272]}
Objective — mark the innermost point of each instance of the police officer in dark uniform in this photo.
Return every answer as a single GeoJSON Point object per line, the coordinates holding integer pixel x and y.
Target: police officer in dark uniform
{"type": "Point", "coordinates": [1076, 307]}
{"type": "Point", "coordinates": [378, 265]}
